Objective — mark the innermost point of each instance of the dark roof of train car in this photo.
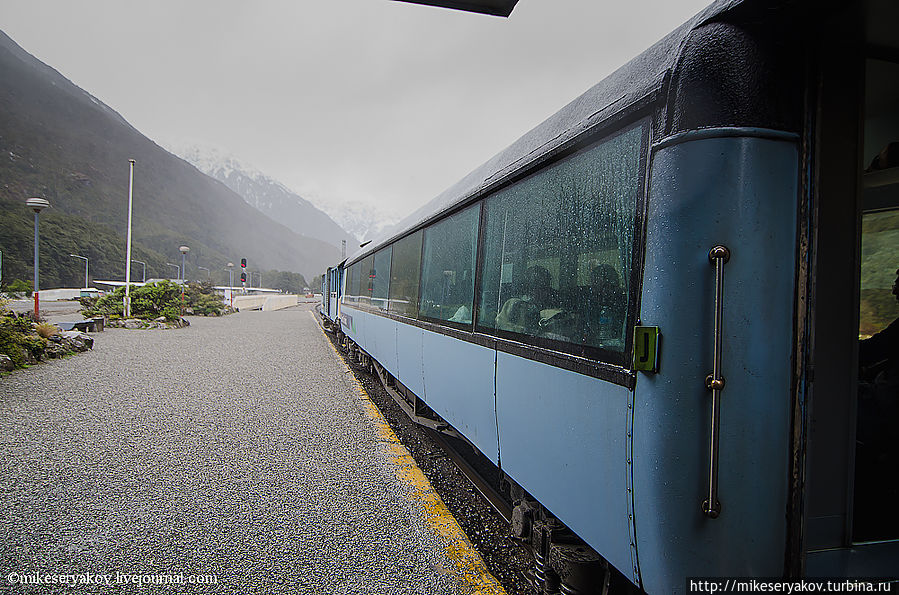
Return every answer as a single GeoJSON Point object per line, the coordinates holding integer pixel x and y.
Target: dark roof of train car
{"type": "Point", "coordinates": [637, 79]}
{"type": "Point", "coordinates": [502, 8]}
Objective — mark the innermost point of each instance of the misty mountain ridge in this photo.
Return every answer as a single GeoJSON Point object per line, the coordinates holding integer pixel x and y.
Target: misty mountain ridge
{"type": "Point", "coordinates": [364, 220]}
{"type": "Point", "coordinates": [59, 142]}
{"type": "Point", "coordinates": [327, 220]}
{"type": "Point", "coordinates": [264, 193]}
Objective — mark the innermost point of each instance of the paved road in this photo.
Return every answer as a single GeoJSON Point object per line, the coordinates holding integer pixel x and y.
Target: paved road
{"type": "Point", "coordinates": [53, 311]}
{"type": "Point", "coordinates": [235, 447]}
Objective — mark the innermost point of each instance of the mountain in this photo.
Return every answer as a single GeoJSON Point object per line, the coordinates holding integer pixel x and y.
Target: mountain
{"type": "Point", "coordinates": [266, 194]}
{"type": "Point", "coordinates": [363, 220]}
{"type": "Point", "coordinates": [61, 143]}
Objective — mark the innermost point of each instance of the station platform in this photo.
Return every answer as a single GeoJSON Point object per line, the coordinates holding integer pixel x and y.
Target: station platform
{"type": "Point", "coordinates": [239, 449]}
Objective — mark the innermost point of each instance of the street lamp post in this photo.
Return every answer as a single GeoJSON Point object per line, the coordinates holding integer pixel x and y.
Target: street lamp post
{"type": "Point", "coordinates": [208, 274]}
{"type": "Point", "coordinates": [144, 275]}
{"type": "Point", "coordinates": [231, 282]}
{"type": "Point", "coordinates": [184, 250]}
{"type": "Point", "coordinates": [177, 270]}
{"type": "Point", "coordinates": [128, 250]}
{"type": "Point", "coordinates": [36, 205]}
{"type": "Point", "coordinates": [84, 258]}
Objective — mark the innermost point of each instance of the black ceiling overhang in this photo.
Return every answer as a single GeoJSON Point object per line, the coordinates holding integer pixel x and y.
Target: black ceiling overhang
{"type": "Point", "coordinates": [502, 8]}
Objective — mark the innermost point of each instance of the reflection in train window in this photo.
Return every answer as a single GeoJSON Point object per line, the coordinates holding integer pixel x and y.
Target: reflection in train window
{"type": "Point", "coordinates": [366, 268]}
{"type": "Point", "coordinates": [404, 271]}
{"type": "Point", "coordinates": [351, 295]}
{"type": "Point", "coordinates": [380, 278]}
{"type": "Point", "coordinates": [447, 277]}
{"type": "Point", "coordinates": [558, 249]}
{"type": "Point", "coordinates": [875, 515]}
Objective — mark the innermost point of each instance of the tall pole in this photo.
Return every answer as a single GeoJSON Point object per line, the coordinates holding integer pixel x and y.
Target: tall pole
{"type": "Point", "coordinates": [84, 258]}
{"type": "Point", "coordinates": [143, 278]}
{"type": "Point", "coordinates": [128, 255]}
{"type": "Point", "coordinates": [36, 205]}
{"type": "Point", "coordinates": [231, 283]}
{"type": "Point", "coordinates": [37, 259]}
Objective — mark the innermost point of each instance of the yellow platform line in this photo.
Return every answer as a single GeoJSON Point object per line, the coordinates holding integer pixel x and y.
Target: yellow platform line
{"type": "Point", "coordinates": [470, 567]}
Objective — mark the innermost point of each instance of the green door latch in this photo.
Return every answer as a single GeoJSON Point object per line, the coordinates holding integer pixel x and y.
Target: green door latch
{"type": "Point", "coordinates": [646, 348]}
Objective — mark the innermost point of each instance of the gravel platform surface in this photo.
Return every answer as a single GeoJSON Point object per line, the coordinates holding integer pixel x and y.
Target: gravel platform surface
{"type": "Point", "coordinates": [236, 447]}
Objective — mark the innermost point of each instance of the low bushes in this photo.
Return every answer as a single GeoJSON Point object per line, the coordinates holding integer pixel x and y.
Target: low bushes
{"type": "Point", "coordinates": [161, 299]}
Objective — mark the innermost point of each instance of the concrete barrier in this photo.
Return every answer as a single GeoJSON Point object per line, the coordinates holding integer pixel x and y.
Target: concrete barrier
{"type": "Point", "coordinates": [279, 302]}
{"type": "Point", "coordinates": [266, 303]}
{"type": "Point", "coordinates": [52, 295]}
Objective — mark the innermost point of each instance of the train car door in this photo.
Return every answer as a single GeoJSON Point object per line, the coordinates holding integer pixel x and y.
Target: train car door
{"type": "Point", "coordinates": [844, 516]}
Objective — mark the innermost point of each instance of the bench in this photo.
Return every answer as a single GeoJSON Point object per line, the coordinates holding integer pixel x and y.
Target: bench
{"type": "Point", "coordinates": [89, 325]}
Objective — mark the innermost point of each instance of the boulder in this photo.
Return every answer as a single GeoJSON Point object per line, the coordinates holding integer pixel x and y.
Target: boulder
{"type": "Point", "coordinates": [77, 341]}
{"type": "Point", "coordinates": [6, 363]}
{"type": "Point", "coordinates": [134, 323]}
{"type": "Point", "coordinates": [55, 349]}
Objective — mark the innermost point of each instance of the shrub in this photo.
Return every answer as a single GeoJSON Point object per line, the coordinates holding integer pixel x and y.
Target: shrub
{"type": "Point", "coordinates": [46, 330]}
{"type": "Point", "coordinates": [16, 342]}
{"type": "Point", "coordinates": [203, 300]}
{"type": "Point", "coordinates": [18, 286]}
{"type": "Point", "coordinates": [153, 300]}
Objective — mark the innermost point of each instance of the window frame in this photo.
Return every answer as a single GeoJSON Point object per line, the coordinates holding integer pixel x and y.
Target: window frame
{"type": "Point", "coordinates": [463, 326]}
{"type": "Point", "coordinates": [623, 358]}
{"type": "Point", "coordinates": [611, 366]}
{"type": "Point", "coordinates": [421, 243]}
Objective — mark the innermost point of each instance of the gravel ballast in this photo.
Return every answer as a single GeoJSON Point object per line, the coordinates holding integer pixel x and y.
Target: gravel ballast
{"type": "Point", "coordinates": [236, 447]}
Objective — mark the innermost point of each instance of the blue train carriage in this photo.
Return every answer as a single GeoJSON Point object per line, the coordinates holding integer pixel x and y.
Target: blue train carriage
{"type": "Point", "coordinates": [332, 287]}
{"type": "Point", "coordinates": [647, 311]}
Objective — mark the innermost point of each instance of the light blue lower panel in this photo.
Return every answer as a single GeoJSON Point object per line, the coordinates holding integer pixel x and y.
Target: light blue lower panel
{"type": "Point", "coordinates": [380, 340]}
{"type": "Point", "coordinates": [563, 438]}
{"type": "Point", "coordinates": [408, 356]}
{"type": "Point", "coordinates": [459, 387]}
{"type": "Point", "coordinates": [352, 322]}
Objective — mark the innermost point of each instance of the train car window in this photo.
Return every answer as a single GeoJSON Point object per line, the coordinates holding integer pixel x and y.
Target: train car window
{"type": "Point", "coordinates": [558, 250]}
{"type": "Point", "coordinates": [348, 292]}
{"type": "Point", "coordinates": [354, 282]}
{"type": "Point", "coordinates": [875, 515]}
{"type": "Point", "coordinates": [366, 281]}
{"type": "Point", "coordinates": [405, 269]}
{"type": "Point", "coordinates": [380, 278]}
{"type": "Point", "coordinates": [447, 278]}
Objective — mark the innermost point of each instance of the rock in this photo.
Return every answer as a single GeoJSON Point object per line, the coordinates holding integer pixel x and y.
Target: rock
{"type": "Point", "coordinates": [77, 341]}
{"type": "Point", "coordinates": [6, 363]}
{"type": "Point", "coordinates": [134, 323]}
{"type": "Point", "coordinates": [55, 349]}
{"type": "Point", "coordinates": [160, 319]}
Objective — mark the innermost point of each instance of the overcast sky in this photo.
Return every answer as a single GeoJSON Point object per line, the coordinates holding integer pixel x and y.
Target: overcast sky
{"type": "Point", "coordinates": [366, 100]}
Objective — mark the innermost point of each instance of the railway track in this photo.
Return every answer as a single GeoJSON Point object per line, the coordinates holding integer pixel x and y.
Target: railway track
{"type": "Point", "coordinates": [493, 496]}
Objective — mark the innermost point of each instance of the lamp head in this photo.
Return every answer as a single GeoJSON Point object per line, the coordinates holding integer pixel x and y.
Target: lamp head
{"type": "Point", "coordinates": [37, 204]}
{"type": "Point", "coordinates": [184, 249]}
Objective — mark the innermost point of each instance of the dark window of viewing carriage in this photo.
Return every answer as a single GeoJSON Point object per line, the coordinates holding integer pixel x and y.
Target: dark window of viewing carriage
{"type": "Point", "coordinates": [380, 278]}
{"type": "Point", "coordinates": [447, 278]}
{"type": "Point", "coordinates": [875, 516]}
{"type": "Point", "coordinates": [404, 272]}
{"type": "Point", "coordinates": [366, 278]}
{"type": "Point", "coordinates": [558, 250]}
{"type": "Point", "coordinates": [352, 284]}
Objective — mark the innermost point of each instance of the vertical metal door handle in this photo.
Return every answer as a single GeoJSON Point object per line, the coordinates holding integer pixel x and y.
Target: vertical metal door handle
{"type": "Point", "coordinates": [718, 256]}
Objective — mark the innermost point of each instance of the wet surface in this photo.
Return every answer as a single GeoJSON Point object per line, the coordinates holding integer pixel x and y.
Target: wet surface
{"type": "Point", "coordinates": [507, 560]}
{"type": "Point", "coordinates": [236, 447]}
